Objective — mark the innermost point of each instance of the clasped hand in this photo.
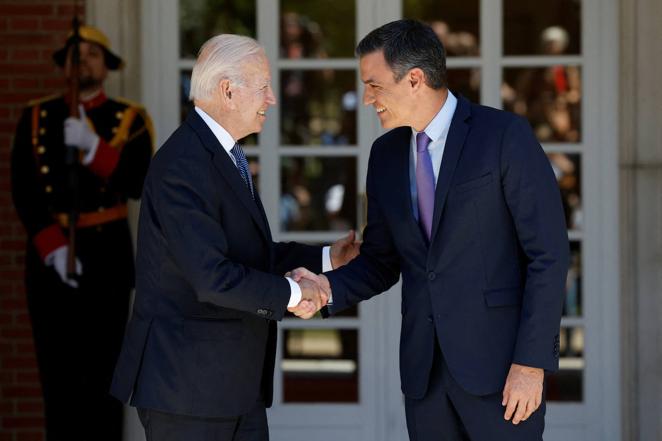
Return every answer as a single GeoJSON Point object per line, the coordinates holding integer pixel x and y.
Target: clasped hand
{"type": "Point", "coordinates": [315, 289]}
{"type": "Point", "coordinates": [315, 293]}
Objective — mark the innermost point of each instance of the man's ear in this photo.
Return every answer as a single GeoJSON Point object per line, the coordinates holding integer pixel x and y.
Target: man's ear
{"type": "Point", "coordinates": [225, 91]}
{"type": "Point", "coordinates": [416, 78]}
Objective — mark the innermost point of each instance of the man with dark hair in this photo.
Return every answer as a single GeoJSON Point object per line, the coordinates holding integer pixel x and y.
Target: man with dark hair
{"type": "Point", "coordinates": [78, 320]}
{"type": "Point", "coordinates": [463, 203]}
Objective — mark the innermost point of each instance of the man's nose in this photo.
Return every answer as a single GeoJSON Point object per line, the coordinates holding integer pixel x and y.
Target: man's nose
{"type": "Point", "coordinates": [368, 98]}
{"type": "Point", "coordinates": [271, 98]}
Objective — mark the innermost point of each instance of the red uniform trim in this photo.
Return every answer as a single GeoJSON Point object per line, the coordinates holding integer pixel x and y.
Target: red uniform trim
{"type": "Point", "coordinates": [48, 240]}
{"type": "Point", "coordinates": [105, 160]}
{"type": "Point", "coordinates": [96, 101]}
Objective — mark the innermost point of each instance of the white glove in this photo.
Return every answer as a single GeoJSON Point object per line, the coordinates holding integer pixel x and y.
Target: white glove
{"type": "Point", "coordinates": [79, 134]}
{"type": "Point", "coordinates": [58, 260]}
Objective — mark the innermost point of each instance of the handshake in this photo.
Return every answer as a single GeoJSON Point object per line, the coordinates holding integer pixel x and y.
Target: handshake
{"type": "Point", "coordinates": [315, 292]}
{"type": "Point", "coordinates": [316, 289]}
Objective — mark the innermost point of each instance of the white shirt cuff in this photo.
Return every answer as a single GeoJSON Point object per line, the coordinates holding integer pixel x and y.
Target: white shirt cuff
{"type": "Point", "coordinates": [89, 156]}
{"type": "Point", "coordinates": [295, 293]}
{"type": "Point", "coordinates": [327, 266]}
{"type": "Point", "coordinates": [49, 260]}
{"type": "Point", "coordinates": [326, 259]}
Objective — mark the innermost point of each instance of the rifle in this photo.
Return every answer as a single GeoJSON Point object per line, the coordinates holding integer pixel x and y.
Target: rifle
{"type": "Point", "coordinates": [72, 151]}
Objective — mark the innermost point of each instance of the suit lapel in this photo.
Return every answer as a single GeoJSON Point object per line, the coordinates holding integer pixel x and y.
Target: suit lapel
{"type": "Point", "coordinates": [228, 170]}
{"type": "Point", "coordinates": [454, 143]}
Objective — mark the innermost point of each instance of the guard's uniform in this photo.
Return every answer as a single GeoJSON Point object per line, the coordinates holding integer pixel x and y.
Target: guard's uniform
{"type": "Point", "coordinates": [78, 332]}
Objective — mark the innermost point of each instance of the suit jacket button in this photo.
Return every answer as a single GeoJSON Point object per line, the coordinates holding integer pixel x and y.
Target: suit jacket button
{"type": "Point", "coordinates": [431, 275]}
{"type": "Point", "coordinates": [430, 319]}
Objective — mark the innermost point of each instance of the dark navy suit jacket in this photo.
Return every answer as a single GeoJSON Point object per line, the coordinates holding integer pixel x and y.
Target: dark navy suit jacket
{"type": "Point", "coordinates": [209, 285]}
{"type": "Point", "coordinates": [490, 285]}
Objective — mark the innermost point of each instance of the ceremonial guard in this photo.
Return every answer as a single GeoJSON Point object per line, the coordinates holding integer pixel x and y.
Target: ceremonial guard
{"type": "Point", "coordinates": [79, 310]}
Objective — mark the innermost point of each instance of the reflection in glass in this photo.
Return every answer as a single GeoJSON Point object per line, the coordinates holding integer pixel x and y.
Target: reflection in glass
{"type": "Point", "coordinates": [550, 97]}
{"type": "Point", "coordinates": [186, 106]}
{"type": "Point", "coordinates": [456, 23]}
{"type": "Point", "coordinates": [318, 29]}
{"type": "Point", "coordinates": [567, 169]}
{"type": "Point", "coordinates": [465, 82]}
{"type": "Point", "coordinates": [320, 365]}
{"type": "Point", "coordinates": [542, 28]}
{"type": "Point", "coordinates": [573, 287]}
{"type": "Point", "coordinates": [317, 194]}
{"type": "Point", "coordinates": [318, 107]}
{"type": "Point", "coordinates": [567, 383]}
{"type": "Point", "coordinates": [200, 20]}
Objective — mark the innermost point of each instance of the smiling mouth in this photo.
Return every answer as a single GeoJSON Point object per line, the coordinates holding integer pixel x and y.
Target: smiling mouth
{"type": "Point", "coordinates": [380, 109]}
{"type": "Point", "coordinates": [262, 112]}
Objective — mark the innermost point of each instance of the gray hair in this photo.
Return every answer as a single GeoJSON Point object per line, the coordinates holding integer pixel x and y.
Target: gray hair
{"type": "Point", "coordinates": [221, 58]}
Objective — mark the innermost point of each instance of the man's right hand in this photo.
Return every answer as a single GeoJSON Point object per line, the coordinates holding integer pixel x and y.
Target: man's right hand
{"type": "Point", "coordinates": [79, 134]}
{"type": "Point", "coordinates": [313, 298]}
{"type": "Point", "coordinates": [58, 260]}
{"type": "Point", "coordinates": [318, 284]}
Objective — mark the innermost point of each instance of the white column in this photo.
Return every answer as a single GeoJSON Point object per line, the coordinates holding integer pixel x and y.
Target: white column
{"type": "Point", "coordinates": [641, 217]}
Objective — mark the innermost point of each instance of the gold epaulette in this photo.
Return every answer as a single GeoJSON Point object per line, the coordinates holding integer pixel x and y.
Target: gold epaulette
{"type": "Point", "coordinates": [140, 109]}
{"type": "Point", "coordinates": [127, 101]}
{"type": "Point", "coordinates": [44, 99]}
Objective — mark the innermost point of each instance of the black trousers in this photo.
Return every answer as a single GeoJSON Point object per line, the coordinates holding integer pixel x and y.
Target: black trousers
{"type": "Point", "coordinates": [162, 426]}
{"type": "Point", "coordinates": [448, 413]}
{"type": "Point", "coordinates": [77, 337]}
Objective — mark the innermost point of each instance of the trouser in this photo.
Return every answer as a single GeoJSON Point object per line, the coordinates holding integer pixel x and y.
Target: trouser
{"type": "Point", "coordinates": [162, 426]}
{"type": "Point", "coordinates": [77, 337]}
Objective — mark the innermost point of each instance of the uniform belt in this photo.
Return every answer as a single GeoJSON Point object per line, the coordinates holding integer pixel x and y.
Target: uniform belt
{"type": "Point", "coordinates": [93, 218]}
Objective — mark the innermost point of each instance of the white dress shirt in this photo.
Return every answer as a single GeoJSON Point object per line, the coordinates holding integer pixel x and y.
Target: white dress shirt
{"type": "Point", "coordinates": [437, 131]}
{"type": "Point", "coordinates": [226, 140]}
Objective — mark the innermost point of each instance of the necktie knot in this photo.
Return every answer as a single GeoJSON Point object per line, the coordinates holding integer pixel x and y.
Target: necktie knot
{"type": "Point", "coordinates": [422, 142]}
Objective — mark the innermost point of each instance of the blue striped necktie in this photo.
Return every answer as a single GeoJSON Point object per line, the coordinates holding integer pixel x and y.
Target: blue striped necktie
{"type": "Point", "coordinates": [242, 165]}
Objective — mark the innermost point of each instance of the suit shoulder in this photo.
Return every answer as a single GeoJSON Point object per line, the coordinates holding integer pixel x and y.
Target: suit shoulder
{"type": "Point", "coordinates": [394, 137]}
{"type": "Point", "coordinates": [491, 114]}
{"type": "Point", "coordinates": [181, 146]}
{"type": "Point", "coordinates": [125, 102]}
{"type": "Point", "coordinates": [46, 100]}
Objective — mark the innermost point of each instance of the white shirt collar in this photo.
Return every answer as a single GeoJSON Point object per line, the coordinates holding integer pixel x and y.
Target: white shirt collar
{"type": "Point", "coordinates": [221, 134]}
{"type": "Point", "coordinates": [441, 123]}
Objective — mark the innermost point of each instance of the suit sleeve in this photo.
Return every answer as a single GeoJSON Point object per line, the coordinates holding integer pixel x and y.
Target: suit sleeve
{"type": "Point", "coordinates": [534, 201]}
{"type": "Point", "coordinates": [291, 255]}
{"type": "Point", "coordinates": [29, 197]}
{"type": "Point", "coordinates": [125, 168]}
{"type": "Point", "coordinates": [183, 200]}
{"type": "Point", "coordinates": [377, 267]}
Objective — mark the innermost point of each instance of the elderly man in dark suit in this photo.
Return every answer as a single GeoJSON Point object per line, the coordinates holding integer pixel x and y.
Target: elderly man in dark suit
{"type": "Point", "coordinates": [463, 203]}
{"type": "Point", "coordinates": [199, 353]}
